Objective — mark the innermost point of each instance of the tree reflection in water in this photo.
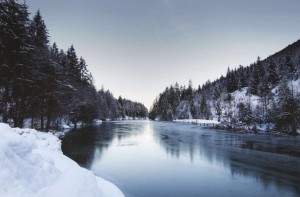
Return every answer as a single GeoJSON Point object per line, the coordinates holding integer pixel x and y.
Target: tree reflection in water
{"type": "Point", "coordinates": [272, 161]}
{"type": "Point", "coordinates": [269, 159]}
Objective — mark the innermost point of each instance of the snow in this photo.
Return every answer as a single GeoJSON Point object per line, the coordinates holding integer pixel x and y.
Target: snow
{"type": "Point", "coordinates": [198, 121]}
{"type": "Point", "coordinates": [184, 110]}
{"type": "Point", "coordinates": [131, 118]}
{"type": "Point", "coordinates": [32, 164]}
{"type": "Point", "coordinates": [64, 126]}
{"type": "Point", "coordinates": [295, 84]}
{"type": "Point", "coordinates": [97, 121]}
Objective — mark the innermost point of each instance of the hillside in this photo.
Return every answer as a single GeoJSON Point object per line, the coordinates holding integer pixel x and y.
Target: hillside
{"type": "Point", "coordinates": [264, 94]}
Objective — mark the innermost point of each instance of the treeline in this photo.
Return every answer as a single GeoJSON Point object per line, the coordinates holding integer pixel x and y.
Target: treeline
{"type": "Point", "coordinates": [121, 108]}
{"type": "Point", "coordinates": [264, 93]}
{"type": "Point", "coordinates": [41, 82]}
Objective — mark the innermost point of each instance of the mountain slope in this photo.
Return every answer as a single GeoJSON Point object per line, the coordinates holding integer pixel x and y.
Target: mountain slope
{"type": "Point", "coordinates": [263, 93]}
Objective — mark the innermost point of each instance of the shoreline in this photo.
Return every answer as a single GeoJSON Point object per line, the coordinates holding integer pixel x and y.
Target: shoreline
{"type": "Point", "coordinates": [239, 129]}
{"type": "Point", "coordinates": [32, 164]}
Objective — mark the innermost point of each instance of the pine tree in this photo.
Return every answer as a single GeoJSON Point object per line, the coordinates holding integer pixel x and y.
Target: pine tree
{"type": "Point", "coordinates": [204, 108]}
{"type": "Point", "coordinates": [176, 99]}
{"type": "Point", "coordinates": [257, 76]}
{"type": "Point", "coordinates": [72, 64]}
{"type": "Point", "coordinates": [44, 76]}
{"type": "Point", "coordinates": [231, 81]}
{"type": "Point", "coordinates": [245, 113]}
{"type": "Point", "coordinates": [54, 52]}
{"type": "Point", "coordinates": [189, 91]}
{"type": "Point", "coordinates": [286, 119]}
{"type": "Point", "coordinates": [254, 82]}
{"type": "Point", "coordinates": [273, 76]}
{"type": "Point", "coordinates": [15, 60]}
{"type": "Point", "coordinates": [84, 75]}
{"type": "Point", "coordinates": [216, 91]}
{"type": "Point", "coordinates": [242, 80]}
{"type": "Point", "coordinates": [218, 110]}
{"type": "Point", "coordinates": [289, 66]}
{"type": "Point", "coordinates": [265, 94]}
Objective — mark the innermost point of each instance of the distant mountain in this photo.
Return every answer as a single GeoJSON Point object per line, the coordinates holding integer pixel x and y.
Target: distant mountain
{"type": "Point", "coordinates": [264, 95]}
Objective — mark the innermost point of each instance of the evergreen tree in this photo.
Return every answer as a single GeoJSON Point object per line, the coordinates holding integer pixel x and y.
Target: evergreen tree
{"type": "Point", "coordinates": [15, 60]}
{"type": "Point", "coordinates": [242, 80]}
{"type": "Point", "coordinates": [72, 64]}
{"type": "Point", "coordinates": [54, 52]}
{"type": "Point", "coordinates": [265, 94]}
{"type": "Point", "coordinates": [289, 66]}
{"type": "Point", "coordinates": [176, 99]}
{"type": "Point", "coordinates": [231, 81]}
{"type": "Point", "coordinates": [216, 91]}
{"type": "Point", "coordinates": [189, 91]}
{"type": "Point", "coordinates": [204, 108]}
{"type": "Point", "coordinates": [218, 110]}
{"type": "Point", "coordinates": [44, 75]}
{"type": "Point", "coordinates": [166, 111]}
{"type": "Point", "coordinates": [286, 118]}
{"type": "Point", "coordinates": [254, 82]}
{"type": "Point", "coordinates": [84, 75]}
{"type": "Point", "coordinates": [273, 76]}
{"type": "Point", "coordinates": [257, 76]}
{"type": "Point", "coordinates": [244, 113]}
{"type": "Point", "coordinates": [193, 109]}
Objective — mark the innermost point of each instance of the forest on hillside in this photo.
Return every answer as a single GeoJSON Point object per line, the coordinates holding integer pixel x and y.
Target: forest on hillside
{"type": "Point", "coordinates": [47, 85]}
{"type": "Point", "coordinates": [263, 94]}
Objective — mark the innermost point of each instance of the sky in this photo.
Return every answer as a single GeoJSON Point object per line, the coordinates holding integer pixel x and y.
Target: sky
{"type": "Point", "coordinates": [135, 48]}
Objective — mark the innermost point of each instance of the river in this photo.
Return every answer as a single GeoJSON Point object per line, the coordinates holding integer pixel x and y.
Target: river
{"type": "Point", "coordinates": [166, 159]}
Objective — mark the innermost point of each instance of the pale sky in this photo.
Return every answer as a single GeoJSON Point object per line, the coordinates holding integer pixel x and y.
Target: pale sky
{"type": "Point", "coordinates": [136, 48]}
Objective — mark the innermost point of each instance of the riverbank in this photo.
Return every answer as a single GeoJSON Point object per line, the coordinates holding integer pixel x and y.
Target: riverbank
{"type": "Point", "coordinates": [32, 164]}
{"type": "Point", "coordinates": [200, 122]}
{"type": "Point", "coordinates": [265, 129]}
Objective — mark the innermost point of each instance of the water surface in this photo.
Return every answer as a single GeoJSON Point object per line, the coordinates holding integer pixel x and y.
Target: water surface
{"type": "Point", "coordinates": [161, 159]}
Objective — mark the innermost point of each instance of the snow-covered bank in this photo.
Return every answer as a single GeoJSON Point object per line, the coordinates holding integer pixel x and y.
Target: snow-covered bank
{"type": "Point", "coordinates": [32, 164]}
{"type": "Point", "coordinates": [199, 122]}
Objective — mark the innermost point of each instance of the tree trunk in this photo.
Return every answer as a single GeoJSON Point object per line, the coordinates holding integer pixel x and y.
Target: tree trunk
{"type": "Point", "coordinates": [48, 121]}
{"type": "Point", "coordinates": [42, 114]}
{"type": "Point", "coordinates": [49, 114]}
{"type": "Point", "coordinates": [32, 121]}
{"type": "Point", "coordinates": [16, 114]}
{"type": "Point", "coordinates": [4, 105]}
{"type": "Point", "coordinates": [19, 112]}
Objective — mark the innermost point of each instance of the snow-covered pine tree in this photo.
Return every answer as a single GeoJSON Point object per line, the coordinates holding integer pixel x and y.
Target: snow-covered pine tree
{"type": "Point", "coordinates": [84, 75]}
{"type": "Point", "coordinates": [44, 72]}
{"type": "Point", "coordinates": [15, 60]}
{"type": "Point", "coordinates": [72, 64]}
{"type": "Point", "coordinates": [286, 119]}
{"type": "Point", "coordinates": [273, 76]}
{"type": "Point", "coordinates": [205, 112]}
{"type": "Point", "coordinates": [241, 75]}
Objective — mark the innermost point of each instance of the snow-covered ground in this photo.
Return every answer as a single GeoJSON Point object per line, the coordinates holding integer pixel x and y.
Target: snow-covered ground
{"type": "Point", "coordinates": [199, 121]}
{"type": "Point", "coordinates": [32, 164]}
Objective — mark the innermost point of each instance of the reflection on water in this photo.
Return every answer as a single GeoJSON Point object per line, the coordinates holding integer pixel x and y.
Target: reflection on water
{"type": "Point", "coordinates": [171, 159]}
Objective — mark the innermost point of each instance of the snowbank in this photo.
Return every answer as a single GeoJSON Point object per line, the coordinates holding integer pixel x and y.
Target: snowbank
{"type": "Point", "coordinates": [199, 121]}
{"type": "Point", "coordinates": [65, 127]}
{"type": "Point", "coordinates": [32, 164]}
{"type": "Point", "coordinates": [97, 121]}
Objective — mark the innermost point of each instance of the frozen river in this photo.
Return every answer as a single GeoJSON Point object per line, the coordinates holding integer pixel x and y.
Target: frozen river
{"type": "Point", "coordinates": [162, 159]}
